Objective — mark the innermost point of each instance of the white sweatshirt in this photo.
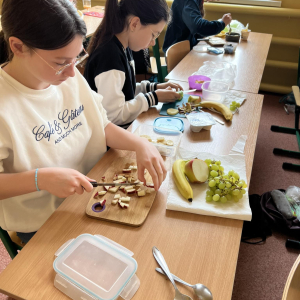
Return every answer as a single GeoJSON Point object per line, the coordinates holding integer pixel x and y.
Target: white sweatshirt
{"type": "Point", "coordinates": [61, 126]}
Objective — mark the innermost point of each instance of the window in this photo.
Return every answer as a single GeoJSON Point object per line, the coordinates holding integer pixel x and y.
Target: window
{"type": "Point", "coordinates": [272, 3]}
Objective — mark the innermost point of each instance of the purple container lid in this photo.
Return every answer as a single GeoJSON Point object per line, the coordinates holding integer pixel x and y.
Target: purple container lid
{"type": "Point", "coordinates": [193, 81]}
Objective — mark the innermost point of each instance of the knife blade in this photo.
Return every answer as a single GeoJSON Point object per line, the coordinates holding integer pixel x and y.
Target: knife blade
{"type": "Point", "coordinates": [95, 184]}
{"type": "Point", "coordinates": [189, 91]}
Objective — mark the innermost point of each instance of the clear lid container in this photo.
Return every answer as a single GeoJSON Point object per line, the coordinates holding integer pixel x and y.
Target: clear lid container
{"type": "Point", "coordinates": [99, 267]}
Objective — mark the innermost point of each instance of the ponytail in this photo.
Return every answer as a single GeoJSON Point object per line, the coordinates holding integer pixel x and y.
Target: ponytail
{"type": "Point", "coordinates": [117, 13]}
{"type": "Point", "coordinates": [112, 23]}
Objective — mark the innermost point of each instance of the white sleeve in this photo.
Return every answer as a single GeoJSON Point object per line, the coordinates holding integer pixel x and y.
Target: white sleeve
{"type": "Point", "coordinates": [145, 87]}
{"type": "Point", "coordinates": [109, 84]}
{"type": "Point", "coordinates": [98, 99]}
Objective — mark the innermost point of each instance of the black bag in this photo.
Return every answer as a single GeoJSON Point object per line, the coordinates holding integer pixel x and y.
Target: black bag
{"type": "Point", "coordinates": [258, 226]}
{"type": "Point", "coordinates": [265, 217]}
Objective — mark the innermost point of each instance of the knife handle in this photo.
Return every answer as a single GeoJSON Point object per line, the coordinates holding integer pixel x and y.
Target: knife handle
{"type": "Point", "coordinates": [94, 183]}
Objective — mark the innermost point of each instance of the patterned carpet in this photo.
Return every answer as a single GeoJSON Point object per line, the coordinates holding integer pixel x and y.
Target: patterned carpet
{"type": "Point", "coordinates": [262, 270]}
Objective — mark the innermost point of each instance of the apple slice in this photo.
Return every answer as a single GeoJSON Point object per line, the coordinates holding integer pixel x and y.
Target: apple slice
{"type": "Point", "coordinates": [114, 189]}
{"type": "Point", "coordinates": [96, 195]}
{"type": "Point", "coordinates": [128, 187]}
{"type": "Point", "coordinates": [124, 199]}
{"type": "Point", "coordinates": [131, 191]}
{"type": "Point", "coordinates": [107, 187]}
{"type": "Point", "coordinates": [126, 170]}
{"type": "Point", "coordinates": [150, 184]}
{"type": "Point", "coordinates": [141, 193]}
{"type": "Point", "coordinates": [196, 171]}
{"type": "Point", "coordinates": [101, 193]}
{"type": "Point", "coordinates": [125, 205]}
{"type": "Point", "coordinates": [115, 201]}
{"type": "Point", "coordinates": [102, 203]}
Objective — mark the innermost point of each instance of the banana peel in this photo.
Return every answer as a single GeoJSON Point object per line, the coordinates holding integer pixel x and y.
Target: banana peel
{"type": "Point", "coordinates": [226, 112]}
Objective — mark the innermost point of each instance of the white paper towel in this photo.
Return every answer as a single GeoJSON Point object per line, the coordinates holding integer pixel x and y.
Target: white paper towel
{"type": "Point", "coordinates": [240, 210]}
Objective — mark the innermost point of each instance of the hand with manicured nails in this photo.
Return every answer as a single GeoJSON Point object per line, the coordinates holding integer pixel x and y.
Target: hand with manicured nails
{"type": "Point", "coordinates": [167, 95]}
{"type": "Point", "coordinates": [227, 19]}
{"type": "Point", "coordinates": [63, 182]}
{"type": "Point", "coordinates": [148, 157]}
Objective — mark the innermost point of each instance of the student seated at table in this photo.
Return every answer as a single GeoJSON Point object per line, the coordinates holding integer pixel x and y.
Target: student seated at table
{"type": "Point", "coordinates": [53, 127]}
{"type": "Point", "coordinates": [130, 25]}
{"type": "Point", "coordinates": [188, 23]}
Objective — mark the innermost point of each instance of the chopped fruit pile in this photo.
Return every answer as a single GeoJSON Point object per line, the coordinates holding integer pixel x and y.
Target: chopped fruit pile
{"type": "Point", "coordinates": [159, 140]}
{"type": "Point", "coordinates": [127, 176]}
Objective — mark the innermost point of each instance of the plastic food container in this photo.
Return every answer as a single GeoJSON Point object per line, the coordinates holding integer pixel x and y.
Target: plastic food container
{"type": "Point", "coordinates": [245, 34]}
{"type": "Point", "coordinates": [200, 120]}
{"type": "Point", "coordinates": [233, 37]}
{"type": "Point", "coordinates": [196, 81]}
{"type": "Point", "coordinates": [153, 134]}
{"type": "Point", "coordinates": [93, 267]}
{"type": "Point", "coordinates": [214, 90]}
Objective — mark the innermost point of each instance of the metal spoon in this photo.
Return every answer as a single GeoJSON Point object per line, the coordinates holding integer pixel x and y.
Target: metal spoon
{"type": "Point", "coordinates": [161, 261]}
{"type": "Point", "coordinates": [200, 290]}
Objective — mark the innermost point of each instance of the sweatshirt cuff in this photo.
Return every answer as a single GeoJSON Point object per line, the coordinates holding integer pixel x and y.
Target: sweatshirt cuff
{"type": "Point", "coordinates": [151, 98]}
{"type": "Point", "coordinates": [223, 24]}
{"type": "Point", "coordinates": [150, 87]}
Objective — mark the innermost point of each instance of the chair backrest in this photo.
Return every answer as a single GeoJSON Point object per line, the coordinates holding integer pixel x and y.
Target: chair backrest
{"type": "Point", "coordinates": [11, 247]}
{"type": "Point", "coordinates": [176, 53]}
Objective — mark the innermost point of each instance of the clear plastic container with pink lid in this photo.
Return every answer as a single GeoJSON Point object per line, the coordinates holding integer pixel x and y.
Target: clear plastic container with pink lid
{"type": "Point", "coordinates": [93, 267]}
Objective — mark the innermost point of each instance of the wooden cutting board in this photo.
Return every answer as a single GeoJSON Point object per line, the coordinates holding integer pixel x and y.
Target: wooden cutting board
{"type": "Point", "coordinates": [139, 207]}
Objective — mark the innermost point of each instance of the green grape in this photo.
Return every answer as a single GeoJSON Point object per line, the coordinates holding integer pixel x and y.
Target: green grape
{"type": "Point", "coordinates": [226, 190]}
{"type": "Point", "coordinates": [232, 108]}
{"type": "Point", "coordinates": [222, 185]}
{"type": "Point", "coordinates": [226, 177]}
{"type": "Point", "coordinates": [243, 191]}
{"type": "Point", "coordinates": [223, 199]}
{"type": "Point", "coordinates": [228, 197]}
{"type": "Point", "coordinates": [238, 105]}
{"type": "Point", "coordinates": [236, 176]}
{"type": "Point", "coordinates": [213, 188]}
{"type": "Point", "coordinates": [235, 199]}
{"type": "Point", "coordinates": [218, 163]}
{"type": "Point", "coordinates": [211, 183]}
{"type": "Point", "coordinates": [218, 191]}
{"type": "Point", "coordinates": [209, 193]}
{"type": "Point", "coordinates": [215, 167]}
{"type": "Point", "coordinates": [230, 173]}
{"type": "Point", "coordinates": [216, 198]}
{"type": "Point", "coordinates": [217, 179]}
{"type": "Point", "coordinates": [208, 161]}
{"type": "Point", "coordinates": [221, 168]}
{"type": "Point", "coordinates": [208, 198]}
{"type": "Point", "coordinates": [244, 186]}
{"type": "Point", "coordinates": [235, 192]}
{"type": "Point", "coordinates": [240, 196]}
{"type": "Point", "coordinates": [240, 184]}
{"type": "Point", "coordinates": [233, 102]}
{"type": "Point", "coordinates": [214, 173]}
{"type": "Point", "coordinates": [228, 184]}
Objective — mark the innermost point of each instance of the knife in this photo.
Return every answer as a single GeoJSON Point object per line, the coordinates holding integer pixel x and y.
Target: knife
{"type": "Point", "coordinates": [189, 91]}
{"type": "Point", "coordinates": [95, 184]}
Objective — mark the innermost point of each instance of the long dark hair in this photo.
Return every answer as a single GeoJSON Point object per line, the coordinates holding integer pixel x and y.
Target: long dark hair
{"type": "Point", "coordinates": [42, 24]}
{"type": "Point", "coordinates": [116, 15]}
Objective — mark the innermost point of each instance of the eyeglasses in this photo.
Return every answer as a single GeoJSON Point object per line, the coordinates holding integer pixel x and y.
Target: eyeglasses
{"type": "Point", "coordinates": [154, 36]}
{"type": "Point", "coordinates": [80, 58]}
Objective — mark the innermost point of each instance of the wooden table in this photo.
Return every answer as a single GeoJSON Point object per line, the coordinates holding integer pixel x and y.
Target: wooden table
{"type": "Point", "coordinates": [249, 58]}
{"type": "Point", "coordinates": [197, 248]}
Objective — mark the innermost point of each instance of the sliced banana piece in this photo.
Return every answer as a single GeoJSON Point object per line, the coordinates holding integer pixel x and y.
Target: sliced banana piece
{"type": "Point", "coordinates": [172, 111]}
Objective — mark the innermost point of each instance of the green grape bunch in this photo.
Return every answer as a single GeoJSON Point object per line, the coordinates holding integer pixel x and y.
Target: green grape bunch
{"type": "Point", "coordinates": [234, 106]}
{"type": "Point", "coordinates": [223, 187]}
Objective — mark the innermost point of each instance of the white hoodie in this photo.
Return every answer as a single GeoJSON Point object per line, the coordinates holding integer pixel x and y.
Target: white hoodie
{"type": "Point", "coordinates": [61, 126]}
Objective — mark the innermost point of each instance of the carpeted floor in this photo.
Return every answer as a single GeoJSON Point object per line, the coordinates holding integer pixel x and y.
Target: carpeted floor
{"type": "Point", "coordinates": [262, 270]}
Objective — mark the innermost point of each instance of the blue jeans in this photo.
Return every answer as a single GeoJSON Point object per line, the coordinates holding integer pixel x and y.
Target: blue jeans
{"type": "Point", "coordinates": [25, 237]}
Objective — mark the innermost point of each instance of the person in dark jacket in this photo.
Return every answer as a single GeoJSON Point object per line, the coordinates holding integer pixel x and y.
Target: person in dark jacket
{"type": "Point", "coordinates": [188, 23]}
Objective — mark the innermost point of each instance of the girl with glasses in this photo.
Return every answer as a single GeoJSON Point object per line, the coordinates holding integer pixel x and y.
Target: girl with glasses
{"type": "Point", "coordinates": [128, 25]}
{"type": "Point", "coordinates": [53, 127]}
{"type": "Point", "coordinates": [188, 23]}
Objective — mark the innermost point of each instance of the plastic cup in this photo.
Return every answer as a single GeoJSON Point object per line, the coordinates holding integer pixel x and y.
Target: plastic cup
{"type": "Point", "coordinates": [245, 34]}
{"type": "Point", "coordinates": [86, 4]}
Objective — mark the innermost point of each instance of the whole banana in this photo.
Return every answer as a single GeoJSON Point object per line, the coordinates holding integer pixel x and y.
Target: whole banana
{"type": "Point", "coordinates": [219, 107]}
{"type": "Point", "coordinates": [181, 180]}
